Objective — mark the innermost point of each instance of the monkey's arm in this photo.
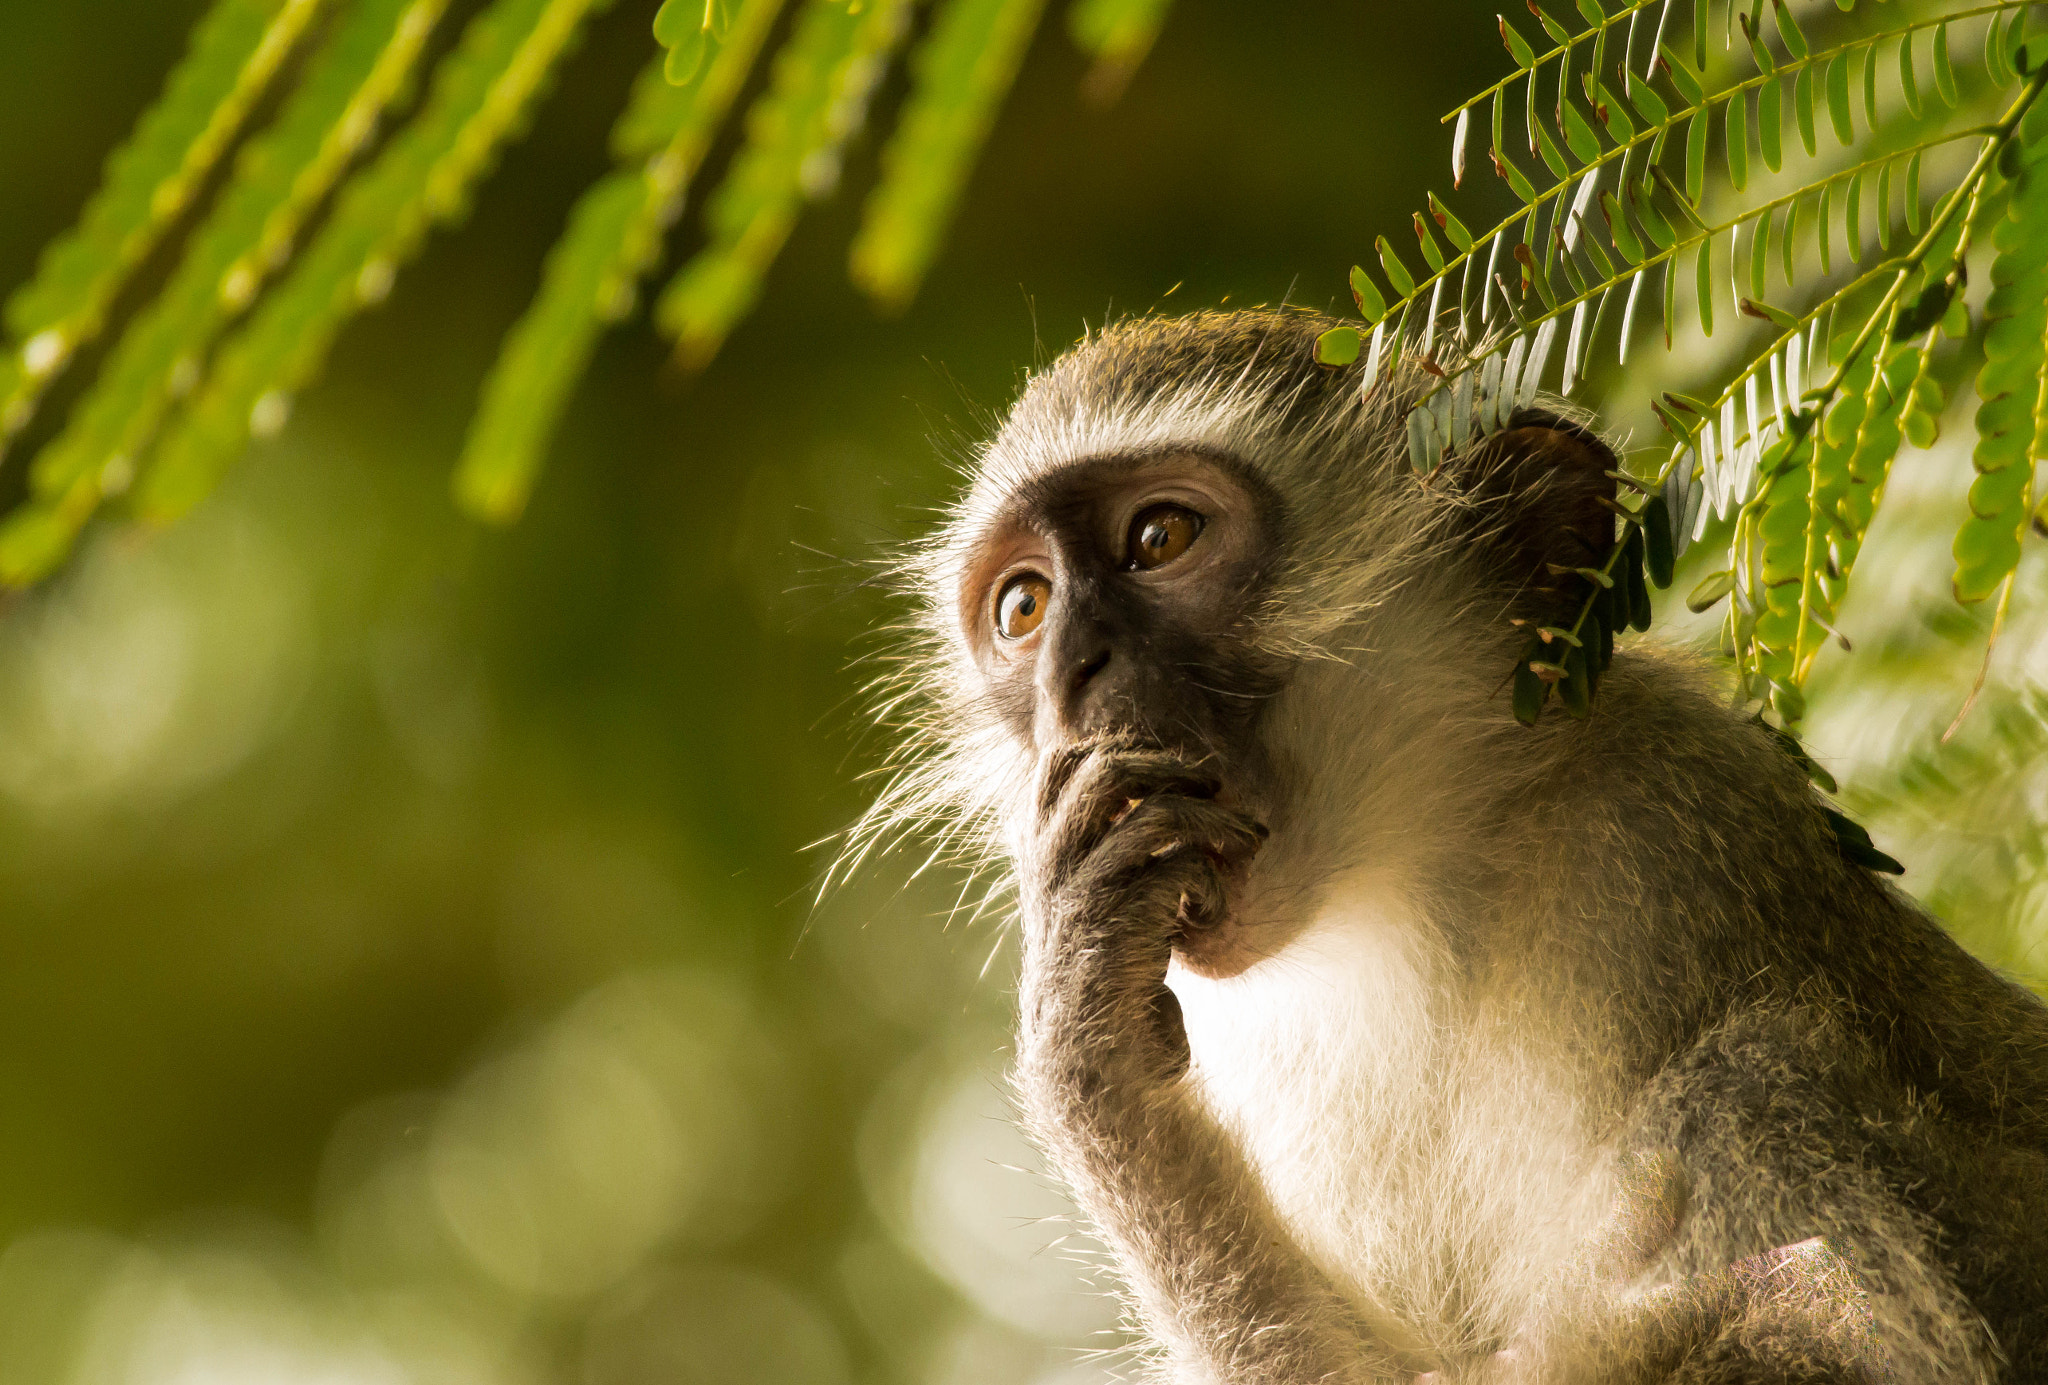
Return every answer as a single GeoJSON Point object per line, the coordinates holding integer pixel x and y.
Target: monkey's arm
{"type": "Point", "coordinates": [1130, 849]}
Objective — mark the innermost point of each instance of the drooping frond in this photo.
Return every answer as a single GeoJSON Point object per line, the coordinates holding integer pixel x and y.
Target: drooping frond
{"type": "Point", "coordinates": [962, 72]}
{"type": "Point", "coordinates": [236, 50]}
{"type": "Point", "coordinates": [1663, 170]}
{"type": "Point", "coordinates": [481, 94]}
{"type": "Point", "coordinates": [279, 178]}
{"type": "Point", "coordinates": [817, 98]}
{"type": "Point", "coordinates": [246, 319]}
{"type": "Point", "coordinates": [593, 273]}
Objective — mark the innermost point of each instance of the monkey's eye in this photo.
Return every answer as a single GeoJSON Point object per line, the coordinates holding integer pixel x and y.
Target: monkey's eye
{"type": "Point", "coordinates": [1162, 533]}
{"type": "Point", "coordinates": [1020, 606]}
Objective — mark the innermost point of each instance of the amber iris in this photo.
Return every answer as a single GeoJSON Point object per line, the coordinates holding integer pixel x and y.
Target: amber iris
{"type": "Point", "coordinates": [1020, 606]}
{"type": "Point", "coordinates": [1162, 533]}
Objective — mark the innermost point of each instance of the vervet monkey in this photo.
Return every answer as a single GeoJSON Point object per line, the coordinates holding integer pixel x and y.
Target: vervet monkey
{"type": "Point", "coordinates": [1381, 1037]}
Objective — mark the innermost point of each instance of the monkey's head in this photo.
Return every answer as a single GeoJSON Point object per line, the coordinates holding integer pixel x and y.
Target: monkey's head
{"type": "Point", "coordinates": [1190, 535]}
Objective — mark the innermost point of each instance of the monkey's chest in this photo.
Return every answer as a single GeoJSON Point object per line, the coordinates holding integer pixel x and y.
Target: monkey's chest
{"type": "Point", "coordinates": [1436, 1179]}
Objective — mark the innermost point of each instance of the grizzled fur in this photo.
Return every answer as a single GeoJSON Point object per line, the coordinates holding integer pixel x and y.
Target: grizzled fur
{"type": "Point", "coordinates": [1574, 1053]}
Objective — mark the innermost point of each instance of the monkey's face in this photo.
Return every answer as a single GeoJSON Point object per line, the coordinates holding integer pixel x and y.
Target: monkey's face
{"type": "Point", "coordinates": [1114, 598]}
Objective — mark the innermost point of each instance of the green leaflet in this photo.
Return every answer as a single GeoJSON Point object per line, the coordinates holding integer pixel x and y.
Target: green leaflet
{"type": "Point", "coordinates": [1828, 482]}
{"type": "Point", "coordinates": [1735, 141]}
{"type": "Point", "coordinates": [1338, 346]}
{"type": "Point", "coordinates": [420, 179]}
{"type": "Point", "coordinates": [1822, 226]}
{"type": "Point", "coordinates": [1703, 285]}
{"type": "Point", "coordinates": [1366, 294]}
{"type": "Point", "coordinates": [236, 49]}
{"type": "Point", "coordinates": [1513, 176]}
{"type": "Point", "coordinates": [1879, 431]}
{"type": "Point", "coordinates": [1117, 33]}
{"type": "Point", "coordinates": [1553, 157]}
{"type": "Point", "coordinates": [1782, 531]}
{"type": "Point", "coordinates": [1760, 257]}
{"type": "Point", "coordinates": [690, 30]}
{"type": "Point", "coordinates": [1802, 106]}
{"type": "Point", "coordinates": [1883, 207]}
{"type": "Point", "coordinates": [1647, 103]}
{"type": "Point", "coordinates": [816, 98]}
{"type": "Point", "coordinates": [961, 75]}
{"type": "Point", "coordinates": [1852, 218]}
{"type": "Point", "coordinates": [1788, 243]}
{"type": "Point", "coordinates": [1684, 80]}
{"type": "Point", "coordinates": [279, 179]}
{"type": "Point", "coordinates": [1641, 202]}
{"type": "Point", "coordinates": [1909, 84]}
{"type": "Point", "coordinates": [1770, 124]}
{"type": "Point", "coordinates": [1618, 229]}
{"type": "Point", "coordinates": [591, 278]}
{"type": "Point", "coordinates": [1517, 46]}
{"type": "Point", "coordinates": [1431, 251]}
{"type": "Point", "coordinates": [1579, 136]}
{"type": "Point", "coordinates": [1452, 227]}
{"type": "Point", "coordinates": [1997, 63]}
{"type": "Point", "coordinates": [1944, 71]}
{"type": "Point", "coordinates": [2014, 394]}
{"type": "Point", "coordinates": [1396, 272]}
{"type": "Point", "coordinates": [1789, 32]}
{"type": "Point", "coordinates": [1838, 98]}
{"type": "Point", "coordinates": [1697, 134]}
{"type": "Point", "coordinates": [1614, 115]}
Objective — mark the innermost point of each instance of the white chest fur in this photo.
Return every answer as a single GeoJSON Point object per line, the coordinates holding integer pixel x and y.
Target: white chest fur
{"type": "Point", "coordinates": [1436, 1177]}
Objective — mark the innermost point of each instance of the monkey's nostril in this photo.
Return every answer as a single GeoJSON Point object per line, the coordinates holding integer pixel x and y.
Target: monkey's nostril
{"type": "Point", "coordinates": [1090, 666]}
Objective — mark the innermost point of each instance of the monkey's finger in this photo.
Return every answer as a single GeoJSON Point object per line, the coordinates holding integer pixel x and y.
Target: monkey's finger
{"type": "Point", "coordinates": [1104, 787]}
{"type": "Point", "coordinates": [1167, 829]}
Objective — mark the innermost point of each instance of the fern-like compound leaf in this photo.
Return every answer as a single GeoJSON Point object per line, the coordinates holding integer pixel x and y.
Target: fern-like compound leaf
{"type": "Point", "coordinates": [236, 50]}
{"type": "Point", "coordinates": [421, 179]}
{"type": "Point", "coordinates": [2011, 385]}
{"type": "Point", "coordinates": [817, 98]}
{"type": "Point", "coordinates": [280, 177]}
{"type": "Point", "coordinates": [961, 73]}
{"type": "Point", "coordinates": [593, 273]}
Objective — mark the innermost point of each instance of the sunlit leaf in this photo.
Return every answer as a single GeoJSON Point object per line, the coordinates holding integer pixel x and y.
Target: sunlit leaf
{"type": "Point", "coordinates": [1770, 124]}
{"type": "Point", "coordinates": [1517, 46]}
{"type": "Point", "coordinates": [380, 218]}
{"type": "Point", "coordinates": [1909, 83]}
{"type": "Point", "coordinates": [1338, 346]}
{"type": "Point", "coordinates": [279, 180]}
{"type": "Point", "coordinates": [1735, 141]}
{"type": "Point", "coordinates": [1838, 98]}
{"type": "Point", "coordinates": [592, 275]}
{"type": "Point", "coordinates": [960, 76]}
{"type": "Point", "coordinates": [1944, 71]}
{"type": "Point", "coordinates": [236, 48]}
{"type": "Point", "coordinates": [820, 82]}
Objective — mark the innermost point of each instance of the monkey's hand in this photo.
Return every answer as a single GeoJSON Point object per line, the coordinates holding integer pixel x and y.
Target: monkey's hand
{"type": "Point", "coordinates": [1130, 851]}
{"type": "Point", "coordinates": [1129, 848]}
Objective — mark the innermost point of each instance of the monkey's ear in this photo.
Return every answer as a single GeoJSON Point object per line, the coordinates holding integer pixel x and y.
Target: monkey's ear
{"type": "Point", "coordinates": [1543, 495]}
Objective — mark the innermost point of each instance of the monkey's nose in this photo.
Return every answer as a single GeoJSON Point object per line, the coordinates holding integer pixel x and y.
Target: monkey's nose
{"type": "Point", "coordinates": [1089, 666]}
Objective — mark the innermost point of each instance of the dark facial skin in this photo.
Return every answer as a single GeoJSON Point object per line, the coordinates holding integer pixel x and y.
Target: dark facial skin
{"type": "Point", "coordinates": [1111, 611]}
